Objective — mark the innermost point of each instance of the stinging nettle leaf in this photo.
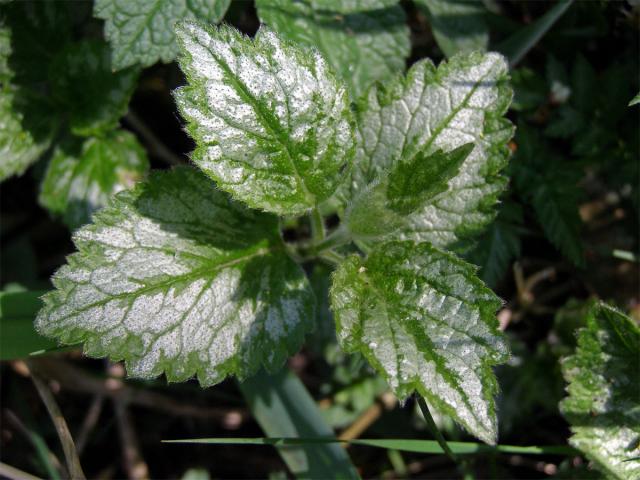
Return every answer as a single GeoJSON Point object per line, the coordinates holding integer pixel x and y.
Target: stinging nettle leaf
{"type": "Point", "coordinates": [603, 404]}
{"type": "Point", "coordinates": [83, 174]}
{"type": "Point", "coordinates": [427, 324]}
{"type": "Point", "coordinates": [363, 40]}
{"type": "Point", "coordinates": [175, 277]}
{"type": "Point", "coordinates": [462, 101]}
{"type": "Point", "coordinates": [272, 123]}
{"type": "Point", "coordinates": [143, 31]}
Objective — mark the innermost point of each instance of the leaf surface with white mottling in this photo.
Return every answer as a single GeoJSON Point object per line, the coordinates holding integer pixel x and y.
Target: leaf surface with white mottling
{"type": "Point", "coordinates": [272, 123]}
{"type": "Point", "coordinates": [462, 101]}
{"type": "Point", "coordinates": [603, 406]}
{"type": "Point", "coordinates": [175, 277]}
{"type": "Point", "coordinates": [83, 174]}
{"type": "Point", "coordinates": [408, 186]}
{"type": "Point", "coordinates": [427, 324]}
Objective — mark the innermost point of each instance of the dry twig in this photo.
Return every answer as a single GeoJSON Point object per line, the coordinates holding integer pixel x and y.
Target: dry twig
{"type": "Point", "coordinates": [69, 448]}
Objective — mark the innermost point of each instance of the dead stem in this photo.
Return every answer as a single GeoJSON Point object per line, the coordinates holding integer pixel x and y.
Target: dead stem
{"type": "Point", "coordinates": [77, 379]}
{"type": "Point", "coordinates": [69, 448]}
{"type": "Point", "coordinates": [89, 423]}
{"type": "Point", "coordinates": [135, 465]}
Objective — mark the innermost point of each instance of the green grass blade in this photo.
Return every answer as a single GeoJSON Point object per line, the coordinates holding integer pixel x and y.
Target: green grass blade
{"type": "Point", "coordinates": [517, 46]}
{"type": "Point", "coordinates": [283, 407]}
{"type": "Point", "coordinates": [18, 338]}
{"type": "Point", "coordinates": [417, 446]}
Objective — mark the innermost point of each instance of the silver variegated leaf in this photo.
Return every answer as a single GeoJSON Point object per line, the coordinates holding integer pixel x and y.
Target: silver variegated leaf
{"type": "Point", "coordinates": [603, 406]}
{"type": "Point", "coordinates": [175, 277]}
{"type": "Point", "coordinates": [271, 122]}
{"type": "Point", "coordinates": [460, 102]}
{"type": "Point", "coordinates": [426, 322]}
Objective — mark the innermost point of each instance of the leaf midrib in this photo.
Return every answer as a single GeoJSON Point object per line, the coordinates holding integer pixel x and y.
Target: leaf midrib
{"type": "Point", "coordinates": [210, 270]}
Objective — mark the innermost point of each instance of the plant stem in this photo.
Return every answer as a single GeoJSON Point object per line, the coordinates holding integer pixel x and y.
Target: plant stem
{"type": "Point", "coordinates": [317, 225]}
{"type": "Point", "coordinates": [332, 257]}
{"type": "Point", "coordinates": [431, 424]}
{"type": "Point", "coordinates": [154, 144]}
{"type": "Point", "coordinates": [11, 472]}
{"type": "Point", "coordinates": [69, 448]}
{"type": "Point", "coordinates": [339, 237]}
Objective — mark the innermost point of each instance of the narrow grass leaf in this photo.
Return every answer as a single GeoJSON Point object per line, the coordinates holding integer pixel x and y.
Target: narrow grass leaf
{"type": "Point", "coordinates": [403, 445]}
{"type": "Point", "coordinates": [519, 44]}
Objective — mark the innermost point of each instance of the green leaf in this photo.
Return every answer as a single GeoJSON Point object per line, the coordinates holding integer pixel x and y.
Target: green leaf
{"type": "Point", "coordinates": [584, 85]}
{"type": "Point", "coordinates": [457, 25]}
{"type": "Point", "coordinates": [19, 338]}
{"type": "Point", "coordinates": [48, 79]}
{"type": "Point", "coordinates": [427, 324]}
{"type": "Point", "coordinates": [95, 98]}
{"type": "Point", "coordinates": [635, 100]}
{"type": "Point", "coordinates": [518, 45]}
{"type": "Point", "coordinates": [379, 209]}
{"type": "Point", "coordinates": [460, 102]}
{"type": "Point", "coordinates": [5, 51]}
{"type": "Point", "coordinates": [499, 244]}
{"type": "Point", "coordinates": [20, 147]}
{"type": "Point", "coordinates": [26, 125]}
{"type": "Point", "coordinates": [175, 277]}
{"type": "Point", "coordinates": [363, 40]}
{"type": "Point", "coordinates": [39, 30]}
{"type": "Point", "coordinates": [143, 31]}
{"type": "Point", "coordinates": [283, 407]}
{"type": "Point", "coordinates": [602, 406]}
{"type": "Point", "coordinates": [270, 120]}
{"type": "Point", "coordinates": [83, 174]}
{"type": "Point", "coordinates": [413, 183]}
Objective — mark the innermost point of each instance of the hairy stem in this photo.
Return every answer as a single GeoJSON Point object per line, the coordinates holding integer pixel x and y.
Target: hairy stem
{"type": "Point", "coordinates": [340, 236]}
{"type": "Point", "coordinates": [317, 225]}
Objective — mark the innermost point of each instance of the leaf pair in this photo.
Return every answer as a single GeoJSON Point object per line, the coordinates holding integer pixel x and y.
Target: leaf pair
{"type": "Point", "coordinates": [177, 277]}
